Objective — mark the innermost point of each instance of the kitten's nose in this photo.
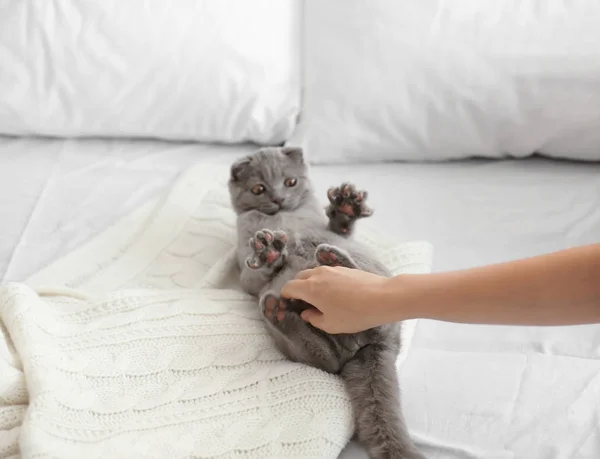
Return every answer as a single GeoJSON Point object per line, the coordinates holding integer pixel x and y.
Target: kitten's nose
{"type": "Point", "coordinates": [278, 201]}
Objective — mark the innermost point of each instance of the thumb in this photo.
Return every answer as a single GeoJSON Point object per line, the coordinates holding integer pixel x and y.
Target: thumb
{"type": "Point", "coordinates": [313, 316]}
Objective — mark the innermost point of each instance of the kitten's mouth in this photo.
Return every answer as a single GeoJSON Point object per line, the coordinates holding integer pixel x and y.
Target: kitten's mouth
{"type": "Point", "coordinates": [273, 211]}
{"type": "Point", "coordinates": [274, 208]}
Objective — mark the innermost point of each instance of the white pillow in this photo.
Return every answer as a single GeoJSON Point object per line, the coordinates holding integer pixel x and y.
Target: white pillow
{"type": "Point", "coordinates": [211, 70]}
{"type": "Point", "coordinates": [436, 79]}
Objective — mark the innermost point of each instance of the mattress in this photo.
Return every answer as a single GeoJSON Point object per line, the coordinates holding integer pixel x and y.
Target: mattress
{"type": "Point", "coordinates": [468, 391]}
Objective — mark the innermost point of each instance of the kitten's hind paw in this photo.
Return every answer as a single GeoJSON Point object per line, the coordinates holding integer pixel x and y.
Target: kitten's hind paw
{"type": "Point", "coordinates": [283, 313]}
{"type": "Point", "coordinates": [269, 249]}
{"type": "Point", "coordinates": [346, 205]}
{"type": "Point", "coordinates": [329, 255]}
{"type": "Point", "coordinates": [274, 308]}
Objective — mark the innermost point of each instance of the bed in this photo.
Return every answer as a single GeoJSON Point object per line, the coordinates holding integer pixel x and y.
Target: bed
{"type": "Point", "coordinates": [468, 391]}
{"type": "Point", "coordinates": [397, 97]}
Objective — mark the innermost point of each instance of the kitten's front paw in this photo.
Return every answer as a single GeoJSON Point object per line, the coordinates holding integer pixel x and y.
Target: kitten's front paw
{"type": "Point", "coordinates": [347, 204]}
{"type": "Point", "coordinates": [328, 255]}
{"type": "Point", "coordinates": [269, 249]}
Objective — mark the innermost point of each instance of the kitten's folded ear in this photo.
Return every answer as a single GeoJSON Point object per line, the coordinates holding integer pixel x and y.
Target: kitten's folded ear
{"type": "Point", "coordinates": [239, 166]}
{"type": "Point", "coordinates": [295, 153]}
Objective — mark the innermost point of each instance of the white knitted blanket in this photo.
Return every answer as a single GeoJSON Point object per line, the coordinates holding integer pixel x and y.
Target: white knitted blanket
{"type": "Point", "coordinates": [141, 345]}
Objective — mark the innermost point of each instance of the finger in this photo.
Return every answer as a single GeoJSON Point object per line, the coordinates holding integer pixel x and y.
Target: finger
{"type": "Point", "coordinates": [313, 316]}
{"type": "Point", "coordinates": [305, 274]}
{"type": "Point", "coordinates": [295, 289]}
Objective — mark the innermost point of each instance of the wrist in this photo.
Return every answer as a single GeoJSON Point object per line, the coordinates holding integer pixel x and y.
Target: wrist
{"type": "Point", "coordinates": [404, 297]}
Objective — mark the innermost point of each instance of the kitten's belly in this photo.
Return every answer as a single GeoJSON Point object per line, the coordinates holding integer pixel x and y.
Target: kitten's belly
{"type": "Point", "coordinates": [305, 233]}
{"type": "Point", "coordinates": [303, 237]}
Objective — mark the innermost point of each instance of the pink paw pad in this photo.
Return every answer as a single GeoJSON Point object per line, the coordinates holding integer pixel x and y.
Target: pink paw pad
{"type": "Point", "coordinates": [346, 209]}
{"type": "Point", "coordinates": [275, 308]}
{"type": "Point", "coordinates": [327, 258]}
{"type": "Point", "coordinates": [272, 255]}
{"type": "Point", "coordinates": [281, 311]}
{"type": "Point", "coordinates": [270, 304]}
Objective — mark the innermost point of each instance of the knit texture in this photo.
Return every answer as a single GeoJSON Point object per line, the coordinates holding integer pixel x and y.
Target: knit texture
{"type": "Point", "coordinates": [141, 344]}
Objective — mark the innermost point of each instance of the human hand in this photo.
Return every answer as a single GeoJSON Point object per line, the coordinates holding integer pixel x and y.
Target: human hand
{"type": "Point", "coordinates": [346, 300]}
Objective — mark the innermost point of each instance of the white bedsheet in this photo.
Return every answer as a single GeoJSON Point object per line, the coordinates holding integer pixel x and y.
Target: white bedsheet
{"type": "Point", "coordinates": [469, 391]}
{"type": "Point", "coordinates": [56, 194]}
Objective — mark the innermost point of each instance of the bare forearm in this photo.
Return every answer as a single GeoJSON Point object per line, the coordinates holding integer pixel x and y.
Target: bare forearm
{"type": "Point", "coordinates": [561, 288]}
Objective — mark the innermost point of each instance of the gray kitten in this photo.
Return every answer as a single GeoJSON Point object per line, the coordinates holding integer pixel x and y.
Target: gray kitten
{"type": "Point", "coordinates": [282, 230]}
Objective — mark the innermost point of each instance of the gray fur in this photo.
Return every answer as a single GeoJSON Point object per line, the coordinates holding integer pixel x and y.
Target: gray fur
{"type": "Point", "coordinates": [284, 230]}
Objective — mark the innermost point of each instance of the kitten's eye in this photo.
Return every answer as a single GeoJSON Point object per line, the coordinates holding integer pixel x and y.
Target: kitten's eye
{"type": "Point", "coordinates": [258, 189]}
{"type": "Point", "coordinates": [290, 182]}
